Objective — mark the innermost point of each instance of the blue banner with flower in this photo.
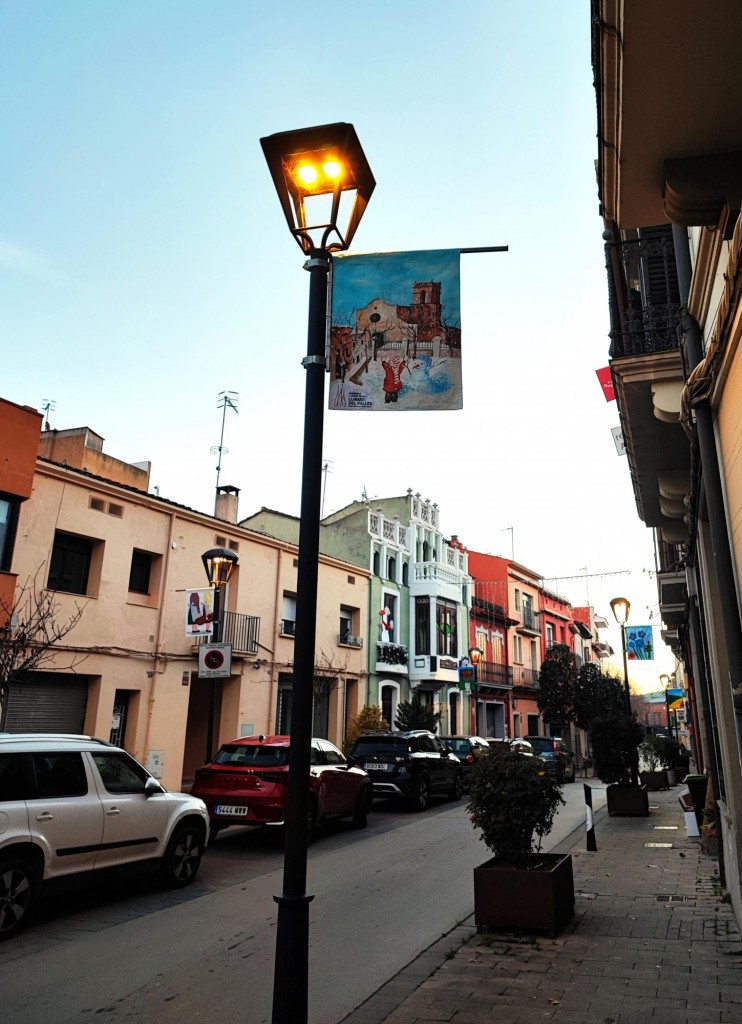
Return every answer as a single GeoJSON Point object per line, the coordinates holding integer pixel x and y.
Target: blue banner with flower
{"type": "Point", "coordinates": [639, 643]}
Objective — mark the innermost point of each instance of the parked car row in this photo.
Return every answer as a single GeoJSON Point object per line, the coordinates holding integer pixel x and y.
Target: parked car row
{"type": "Point", "coordinates": [70, 805]}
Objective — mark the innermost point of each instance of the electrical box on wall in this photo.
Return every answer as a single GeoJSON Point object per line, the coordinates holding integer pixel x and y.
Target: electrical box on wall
{"type": "Point", "coordinates": [155, 763]}
{"type": "Point", "coordinates": [247, 729]}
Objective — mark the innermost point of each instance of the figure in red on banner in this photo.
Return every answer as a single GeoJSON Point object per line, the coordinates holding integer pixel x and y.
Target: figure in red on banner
{"type": "Point", "coordinates": [393, 377]}
{"type": "Point", "coordinates": [387, 625]}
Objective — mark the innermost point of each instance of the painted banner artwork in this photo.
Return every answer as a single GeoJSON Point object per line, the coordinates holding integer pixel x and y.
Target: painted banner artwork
{"type": "Point", "coordinates": [199, 612]}
{"type": "Point", "coordinates": [639, 643]}
{"type": "Point", "coordinates": [606, 383]}
{"type": "Point", "coordinates": [395, 339]}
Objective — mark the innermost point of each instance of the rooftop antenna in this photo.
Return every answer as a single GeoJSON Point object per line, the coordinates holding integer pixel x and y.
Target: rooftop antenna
{"type": "Point", "coordinates": [326, 468]}
{"type": "Point", "coordinates": [227, 400]}
{"type": "Point", "coordinates": [509, 529]}
{"type": "Point", "coordinates": [587, 585]}
{"type": "Point", "coordinates": [48, 405]}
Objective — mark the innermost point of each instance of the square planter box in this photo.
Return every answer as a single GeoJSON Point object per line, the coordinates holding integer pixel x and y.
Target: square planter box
{"type": "Point", "coordinates": [656, 780]}
{"type": "Point", "coordinates": [631, 800]}
{"type": "Point", "coordinates": [525, 899]}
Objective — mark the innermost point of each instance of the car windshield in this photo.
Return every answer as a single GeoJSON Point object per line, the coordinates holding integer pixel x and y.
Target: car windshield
{"type": "Point", "coordinates": [252, 756]}
{"type": "Point", "coordinates": [393, 746]}
{"type": "Point", "coordinates": [459, 746]}
{"type": "Point", "coordinates": [542, 744]}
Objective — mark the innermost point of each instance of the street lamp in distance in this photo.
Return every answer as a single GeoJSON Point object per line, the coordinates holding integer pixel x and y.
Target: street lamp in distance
{"type": "Point", "coordinates": [218, 563]}
{"type": "Point", "coordinates": [475, 656]}
{"type": "Point", "coordinates": [324, 183]}
{"type": "Point", "coordinates": [621, 606]}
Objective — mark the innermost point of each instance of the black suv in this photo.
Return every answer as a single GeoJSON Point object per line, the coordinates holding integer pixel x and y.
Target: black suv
{"type": "Point", "coordinates": [412, 765]}
{"type": "Point", "coordinates": [556, 754]}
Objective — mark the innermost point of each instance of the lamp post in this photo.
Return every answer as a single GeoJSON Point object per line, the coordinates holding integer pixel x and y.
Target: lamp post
{"type": "Point", "coordinates": [313, 169]}
{"type": "Point", "coordinates": [621, 606]}
{"type": "Point", "coordinates": [665, 680]}
{"type": "Point", "coordinates": [475, 656]}
{"type": "Point", "coordinates": [218, 563]}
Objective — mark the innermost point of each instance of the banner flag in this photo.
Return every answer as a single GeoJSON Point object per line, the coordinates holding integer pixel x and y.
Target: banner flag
{"type": "Point", "coordinates": [606, 382]}
{"type": "Point", "coordinates": [675, 699]}
{"type": "Point", "coordinates": [200, 612]}
{"type": "Point", "coordinates": [395, 336]}
{"type": "Point", "coordinates": [639, 643]}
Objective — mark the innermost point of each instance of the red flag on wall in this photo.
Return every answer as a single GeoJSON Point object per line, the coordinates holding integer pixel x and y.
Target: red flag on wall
{"type": "Point", "coordinates": [606, 382]}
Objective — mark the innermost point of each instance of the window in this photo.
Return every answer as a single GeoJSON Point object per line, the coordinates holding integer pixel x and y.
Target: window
{"type": "Point", "coordinates": [346, 624]}
{"type": "Point", "coordinates": [549, 634]}
{"type": "Point", "coordinates": [288, 620]}
{"type": "Point", "coordinates": [59, 774]}
{"type": "Point", "coordinates": [422, 625]}
{"type": "Point", "coordinates": [446, 621]}
{"type": "Point", "coordinates": [376, 562]}
{"type": "Point", "coordinates": [120, 773]}
{"type": "Point", "coordinates": [405, 574]}
{"type": "Point", "coordinates": [454, 702]}
{"type": "Point", "coordinates": [517, 600]}
{"type": "Point", "coordinates": [391, 573]}
{"type": "Point", "coordinates": [139, 573]}
{"type": "Point", "coordinates": [8, 520]}
{"type": "Point", "coordinates": [70, 563]}
{"type": "Point", "coordinates": [388, 619]}
{"type": "Point", "coordinates": [13, 781]}
{"type": "Point", "coordinates": [517, 650]}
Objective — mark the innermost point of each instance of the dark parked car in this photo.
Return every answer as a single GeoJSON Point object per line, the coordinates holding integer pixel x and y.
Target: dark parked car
{"type": "Point", "coordinates": [467, 749]}
{"type": "Point", "coordinates": [247, 784]}
{"type": "Point", "coordinates": [556, 754]}
{"type": "Point", "coordinates": [412, 765]}
{"type": "Point", "coordinates": [517, 743]}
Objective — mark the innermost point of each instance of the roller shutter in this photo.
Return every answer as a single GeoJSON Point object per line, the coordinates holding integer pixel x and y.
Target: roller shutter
{"type": "Point", "coordinates": [47, 702]}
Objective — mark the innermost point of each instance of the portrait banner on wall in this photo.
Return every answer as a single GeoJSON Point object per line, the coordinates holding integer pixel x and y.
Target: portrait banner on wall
{"type": "Point", "coordinates": [395, 334]}
{"type": "Point", "coordinates": [199, 612]}
{"type": "Point", "coordinates": [639, 643]}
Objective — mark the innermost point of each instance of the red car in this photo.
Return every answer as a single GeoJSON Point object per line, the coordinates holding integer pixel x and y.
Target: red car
{"type": "Point", "coordinates": [247, 784]}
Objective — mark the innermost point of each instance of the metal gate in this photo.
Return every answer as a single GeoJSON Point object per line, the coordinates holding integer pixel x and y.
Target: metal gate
{"type": "Point", "coordinates": [47, 702]}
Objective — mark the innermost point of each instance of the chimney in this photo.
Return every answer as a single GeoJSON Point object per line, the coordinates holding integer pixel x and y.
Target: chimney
{"type": "Point", "coordinates": [227, 500]}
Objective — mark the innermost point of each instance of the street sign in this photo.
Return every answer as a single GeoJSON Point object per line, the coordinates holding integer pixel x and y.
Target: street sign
{"type": "Point", "coordinates": [215, 661]}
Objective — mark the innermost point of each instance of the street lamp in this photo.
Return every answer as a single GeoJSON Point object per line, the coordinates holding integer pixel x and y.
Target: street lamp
{"type": "Point", "coordinates": [665, 680]}
{"type": "Point", "coordinates": [218, 563]}
{"type": "Point", "coordinates": [323, 182]}
{"type": "Point", "coordinates": [475, 656]}
{"type": "Point", "coordinates": [621, 606]}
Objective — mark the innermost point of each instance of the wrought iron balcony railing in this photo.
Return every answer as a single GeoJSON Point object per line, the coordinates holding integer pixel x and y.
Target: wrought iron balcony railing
{"type": "Point", "coordinates": [391, 654]}
{"type": "Point", "coordinates": [241, 631]}
{"type": "Point", "coordinates": [494, 674]}
{"type": "Point", "coordinates": [523, 676]}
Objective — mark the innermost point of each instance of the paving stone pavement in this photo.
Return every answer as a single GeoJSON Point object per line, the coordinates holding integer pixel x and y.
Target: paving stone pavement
{"type": "Point", "coordinates": [652, 941]}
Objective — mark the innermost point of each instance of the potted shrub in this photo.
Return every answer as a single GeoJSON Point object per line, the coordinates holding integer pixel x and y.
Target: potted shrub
{"type": "Point", "coordinates": [653, 756]}
{"type": "Point", "coordinates": [513, 800]}
{"type": "Point", "coordinates": [615, 743]}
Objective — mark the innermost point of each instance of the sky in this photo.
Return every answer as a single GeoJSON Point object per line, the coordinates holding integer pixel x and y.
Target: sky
{"type": "Point", "coordinates": [146, 267]}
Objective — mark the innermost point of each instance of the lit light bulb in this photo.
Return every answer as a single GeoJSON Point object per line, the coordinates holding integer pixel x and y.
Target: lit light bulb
{"type": "Point", "coordinates": [332, 169]}
{"type": "Point", "coordinates": [308, 174]}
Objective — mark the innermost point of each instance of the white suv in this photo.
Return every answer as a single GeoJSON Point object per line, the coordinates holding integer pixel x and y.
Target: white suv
{"type": "Point", "coordinates": [74, 804]}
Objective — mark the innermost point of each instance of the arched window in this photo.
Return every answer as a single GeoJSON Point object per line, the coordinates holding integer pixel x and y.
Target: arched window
{"type": "Point", "coordinates": [392, 569]}
{"type": "Point", "coordinates": [377, 562]}
{"type": "Point", "coordinates": [405, 574]}
{"type": "Point", "coordinates": [389, 701]}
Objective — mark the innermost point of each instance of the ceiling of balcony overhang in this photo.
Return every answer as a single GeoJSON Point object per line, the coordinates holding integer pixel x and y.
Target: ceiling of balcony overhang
{"type": "Point", "coordinates": [669, 84]}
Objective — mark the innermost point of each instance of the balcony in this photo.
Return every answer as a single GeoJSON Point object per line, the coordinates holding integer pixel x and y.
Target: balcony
{"type": "Point", "coordinates": [241, 631]}
{"type": "Point", "coordinates": [523, 676]}
{"type": "Point", "coordinates": [391, 654]}
{"type": "Point", "coordinates": [530, 622]}
{"type": "Point", "coordinates": [435, 573]}
{"type": "Point", "coordinates": [491, 673]}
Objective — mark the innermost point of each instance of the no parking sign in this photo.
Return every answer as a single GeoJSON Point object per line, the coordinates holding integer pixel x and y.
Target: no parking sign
{"type": "Point", "coordinates": [215, 661]}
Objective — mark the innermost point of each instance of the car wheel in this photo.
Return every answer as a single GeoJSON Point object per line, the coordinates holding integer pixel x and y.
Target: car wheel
{"type": "Point", "coordinates": [421, 794]}
{"type": "Point", "coordinates": [183, 856]}
{"type": "Point", "coordinates": [457, 789]}
{"type": "Point", "coordinates": [18, 882]}
{"type": "Point", "coordinates": [360, 814]}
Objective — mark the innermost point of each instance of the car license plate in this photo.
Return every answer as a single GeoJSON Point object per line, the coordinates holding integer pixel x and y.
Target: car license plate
{"type": "Point", "coordinates": [373, 767]}
{"type": "Point", "coordinates": [234, 812]}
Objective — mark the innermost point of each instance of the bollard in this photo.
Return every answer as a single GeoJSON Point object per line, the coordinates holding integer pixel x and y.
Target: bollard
{"type": "Point", "coordinates": [592, 846]}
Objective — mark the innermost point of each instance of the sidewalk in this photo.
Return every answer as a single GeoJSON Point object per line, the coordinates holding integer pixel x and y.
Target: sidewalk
{"type": "Point", "coordinates": [651, 941]}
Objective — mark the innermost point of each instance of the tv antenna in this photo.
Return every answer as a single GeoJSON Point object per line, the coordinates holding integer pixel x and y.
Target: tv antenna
{"type": "Point", "coordinates": [47, 405]}
{"type": "Point", "coordinates": [227, 400]}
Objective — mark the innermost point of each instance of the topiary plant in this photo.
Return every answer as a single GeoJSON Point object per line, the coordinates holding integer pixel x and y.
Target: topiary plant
{"type": "Point", "coordinates": [369, 719]}
{"type": "Point", "coordinates": [614, 742]}
{"type": "Point", "coordinates": [414, 714]}
{"type": "Point", "coordinates": [513, 800]}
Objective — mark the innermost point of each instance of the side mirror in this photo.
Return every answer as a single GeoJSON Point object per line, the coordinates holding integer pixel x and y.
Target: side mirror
{"type": "Point", "coordinates": [350, 761]}
{"type": "Point", "coordinates": [152, 786]}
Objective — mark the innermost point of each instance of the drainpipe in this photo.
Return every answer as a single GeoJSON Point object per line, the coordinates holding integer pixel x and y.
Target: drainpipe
{"type": "Point", "coordinates": [711, 478]}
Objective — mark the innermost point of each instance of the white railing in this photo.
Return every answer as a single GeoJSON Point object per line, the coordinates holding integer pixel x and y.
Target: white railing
{"type": "Point", "coordinates": [433, 571]}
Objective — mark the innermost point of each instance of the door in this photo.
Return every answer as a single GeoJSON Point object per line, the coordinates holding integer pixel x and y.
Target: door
{"type": "Point", "coordinates": [66, 813]}
{"type": "Point", "coordinates": [133, 823]}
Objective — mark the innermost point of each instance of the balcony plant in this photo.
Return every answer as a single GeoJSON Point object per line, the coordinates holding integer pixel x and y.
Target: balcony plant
{"type": "Point", "coordinates": [614, 742]}
{"type": "Point", "coordinates": [513, 800]}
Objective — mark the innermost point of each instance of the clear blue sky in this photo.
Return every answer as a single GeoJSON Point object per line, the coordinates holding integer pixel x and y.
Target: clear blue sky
{"type": "Point", "coordinates": [145, 265]}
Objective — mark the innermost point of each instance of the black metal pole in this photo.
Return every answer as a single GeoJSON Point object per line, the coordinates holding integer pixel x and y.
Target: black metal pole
{"type": "Point", "coordinates": [291, 977]}
{"type": "Point", "coordinates": [591, 846]}
{"type": "Point", "coordinates": [627, 688]}
{"type": "Point", "coordinates": [215, 637]}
